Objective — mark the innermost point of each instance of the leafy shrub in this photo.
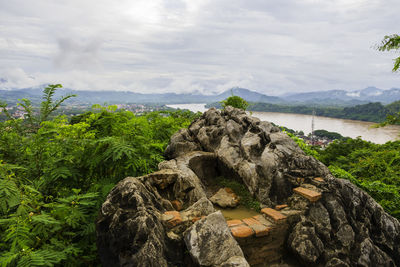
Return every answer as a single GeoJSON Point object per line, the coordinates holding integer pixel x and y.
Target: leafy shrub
{"type": "Point", "coordinates": [54, 175]}
{"type": "Point", "coordinates": [236, 102]}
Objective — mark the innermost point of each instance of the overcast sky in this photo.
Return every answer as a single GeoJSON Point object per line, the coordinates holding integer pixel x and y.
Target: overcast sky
{"type": "Point", "coordinates": [209, 46]}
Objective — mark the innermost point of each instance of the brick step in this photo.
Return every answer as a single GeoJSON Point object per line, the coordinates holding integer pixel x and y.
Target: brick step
{"type": "Point", "coordinates": [274, 215]}
{"type": "Point", "coordinates": [311, 195]}
{"type": "Point", "coordinates": [256, 226]}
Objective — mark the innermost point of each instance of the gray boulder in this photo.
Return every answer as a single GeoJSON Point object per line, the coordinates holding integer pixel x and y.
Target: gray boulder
{"type": "Point", "coordinates": [225, 198]}
{"type": "Point", "coordinates": [129, 232]}
{"type": "Point", "coordinates": [210, 243]}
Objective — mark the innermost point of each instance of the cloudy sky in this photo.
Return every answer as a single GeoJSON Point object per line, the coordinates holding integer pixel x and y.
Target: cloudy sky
{"type": "Point", "coordinates": [273, 46]}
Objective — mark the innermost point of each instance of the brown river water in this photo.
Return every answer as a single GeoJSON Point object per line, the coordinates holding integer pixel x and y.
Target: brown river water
{"type": "Point", "coordinates": [300, 122]}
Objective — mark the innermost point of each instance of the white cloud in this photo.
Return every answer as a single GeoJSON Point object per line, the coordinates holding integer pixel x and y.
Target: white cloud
{"type": "Point", "coordinates": [207, 46]}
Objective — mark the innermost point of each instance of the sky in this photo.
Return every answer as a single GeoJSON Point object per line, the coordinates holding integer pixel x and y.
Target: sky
{"type": "Point", "coordinates": [273, 47]}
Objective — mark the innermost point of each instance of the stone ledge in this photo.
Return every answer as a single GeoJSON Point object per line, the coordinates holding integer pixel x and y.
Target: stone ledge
{"type": "Point", "coordinates": [274, 215]}
{"type": "Point", "coordinates": [251, 221]}
{"type": "Point", "coordinates": [311, 195]}
{"type": "Point", "coordinates": [260, 230]}
{"type": "Point", "coordinates": [280, 207]}
{"type": "Point", "coordinates": [241, 231]}
{"type": "Point", "coordinates": [263, 221]}
{"type": "Point", "coordinates": [234, 222]}
{"type": "Point", "coordinates": [319, 179]}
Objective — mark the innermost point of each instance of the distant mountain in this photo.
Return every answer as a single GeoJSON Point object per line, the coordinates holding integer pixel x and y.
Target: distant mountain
{"type": "Point", "coordinates": [369, 94]}
{"type": "Point", "coordinates": [322, 98]}
{"type": "Point", "coordinates": [110, 97]}
{"type": "Point", "coordinates": [248, 95]}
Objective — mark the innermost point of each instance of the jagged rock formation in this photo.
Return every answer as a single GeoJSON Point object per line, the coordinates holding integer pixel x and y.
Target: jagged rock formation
{"type": "Point", "coordinates": [308, 218]}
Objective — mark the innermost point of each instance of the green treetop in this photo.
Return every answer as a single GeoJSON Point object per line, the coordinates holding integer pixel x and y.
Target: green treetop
{"type": "Point", "coordinates": [235, 101]}
{"type": "Point", "coordinates": [391, 42]}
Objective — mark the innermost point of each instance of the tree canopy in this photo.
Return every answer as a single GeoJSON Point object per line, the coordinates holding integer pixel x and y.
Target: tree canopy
{"type": "Point", "coordinates": [391, 42]}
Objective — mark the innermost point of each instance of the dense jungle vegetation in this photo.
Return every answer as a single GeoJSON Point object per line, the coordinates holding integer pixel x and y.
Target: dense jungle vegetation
{"type": "Point", "coordinates": [372, 167]}
{"type": "Point", "coordinates": [55, 172]}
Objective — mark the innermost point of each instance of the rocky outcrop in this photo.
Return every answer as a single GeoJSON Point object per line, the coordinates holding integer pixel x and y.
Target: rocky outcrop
{"type": "Point", "coordinates": [210, 242]}
{"type": "Point", "coordinates": [164, 218]}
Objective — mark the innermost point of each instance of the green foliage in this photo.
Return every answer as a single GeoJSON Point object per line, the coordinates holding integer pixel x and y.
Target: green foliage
{"type": "Point", "coordinates": [372, 167]}
{"type": "Point", "coordinates": [246, 199]}
{"type": "Point", "coordinates": [327, 134]}
{"type": "Point", "coordinates": [386, 195]}
{"type": "Point", "coordinates": [235, 101]}
{"type": "Point", "coordinates": [391, 42]}
{"type": "Point", "coordinates": [54, 175]}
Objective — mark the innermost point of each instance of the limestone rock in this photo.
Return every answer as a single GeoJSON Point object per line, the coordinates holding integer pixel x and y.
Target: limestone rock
{"type": "Point", "coordinates": [342, 227]}
{"type": "Point", "coordinates": [181, 143]}
{"type": "Point", "coordinates": [210, 242]}
{"type": "Point", "coordinates": [201, 208]}
{"type": "Point", "coordinates": [129, 232]}
{"type": "Point", "coordinates": [305, 243]}
{"type": "Point", "coordinates": [235, 261]}
{"type": "Point", "coordinates": [225, 198]}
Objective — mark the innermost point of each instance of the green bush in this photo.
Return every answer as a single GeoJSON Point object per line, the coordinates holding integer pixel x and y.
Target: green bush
{"type": "Point", "coordinates": [236, 102]}
{"type": "Point", "coordinates": [54, 175]}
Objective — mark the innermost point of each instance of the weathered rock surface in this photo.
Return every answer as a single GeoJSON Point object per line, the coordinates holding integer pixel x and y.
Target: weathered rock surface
{"type": "Point", "coordinates": [225, 198]}
{"type": "Point", "coordinates": [332, 223]}
{"type": "Point", "coordinates": [210, 242]}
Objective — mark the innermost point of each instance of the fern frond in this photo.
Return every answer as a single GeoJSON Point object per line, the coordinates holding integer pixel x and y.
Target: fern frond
{"type": "Point", "coordinates": [88, 229]}
{"type": "Point", "coordinates": [20, 236]}
{"type": "Point", "coordinates": [8, 258]}
{"type": "Point", "coordinates": [10, 195]}
{"type": "Point", "coordinates": [60, 172]}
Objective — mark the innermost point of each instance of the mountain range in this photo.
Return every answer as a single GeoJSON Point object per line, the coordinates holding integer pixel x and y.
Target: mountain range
{"type": "Point", "coordinates": [331, 97]}
{"type": "Point", "coordinates": [369, 94]}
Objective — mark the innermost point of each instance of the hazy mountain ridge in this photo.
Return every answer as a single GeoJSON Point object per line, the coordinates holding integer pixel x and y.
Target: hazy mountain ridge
{"type": "Point", "coordinates": [331, 97]}
{"type": "Point", "coordinates": [110, 97]}
{"type": "Point", "coordinates": [369, 94]}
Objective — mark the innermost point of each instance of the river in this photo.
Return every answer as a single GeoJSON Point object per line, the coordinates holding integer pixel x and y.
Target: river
{"type": "Point", "coordinates": [300, 122]}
